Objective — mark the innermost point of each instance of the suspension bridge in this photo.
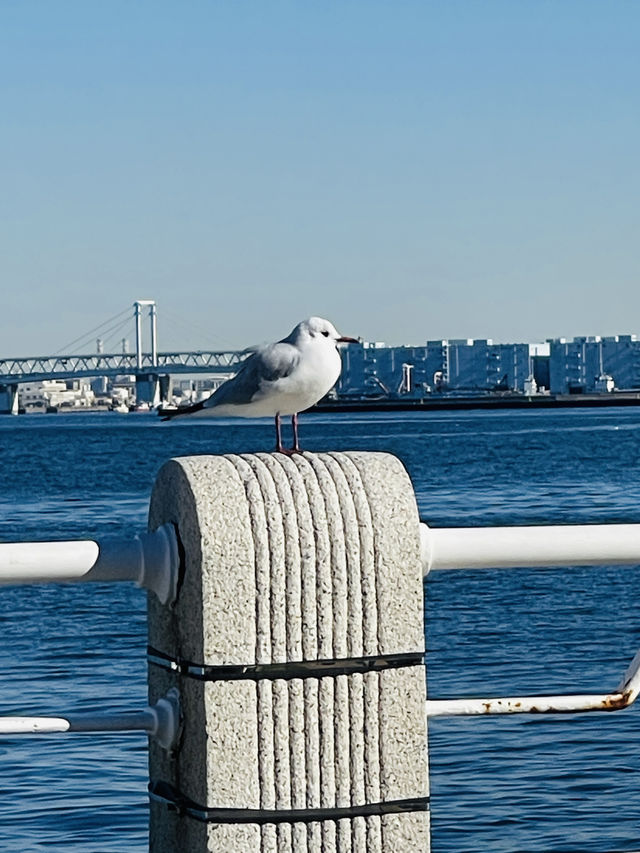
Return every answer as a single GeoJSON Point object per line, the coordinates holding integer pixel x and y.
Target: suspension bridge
{"type": "Point", "coordinates": [149, 367]}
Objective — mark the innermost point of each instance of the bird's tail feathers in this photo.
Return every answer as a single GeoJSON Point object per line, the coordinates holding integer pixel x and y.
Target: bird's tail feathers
{"type": "Point", "coordinates": [184, 410]}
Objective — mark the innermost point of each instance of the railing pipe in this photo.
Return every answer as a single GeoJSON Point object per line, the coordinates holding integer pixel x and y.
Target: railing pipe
{"type": "Point", "coordinates": [151, 560]}
{"type": "Point", "coordinates": [160, 721]}
{"type": "Point", "coordinates": [624, 695]}
{"type": "Point", "coordinates": [512, 547]}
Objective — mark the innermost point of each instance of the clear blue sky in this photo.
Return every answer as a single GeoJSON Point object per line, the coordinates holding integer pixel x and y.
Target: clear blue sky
{"type": "Point", "coordinates": [409, 169]}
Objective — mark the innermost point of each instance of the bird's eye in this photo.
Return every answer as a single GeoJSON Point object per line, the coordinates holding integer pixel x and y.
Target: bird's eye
{"type": "Point", "coordinates": [325, 333]}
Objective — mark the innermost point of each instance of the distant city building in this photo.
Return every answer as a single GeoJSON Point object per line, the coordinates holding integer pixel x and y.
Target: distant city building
{"type": "Point", "coordinates": [588, 365]}
{"type": "Point", "coordinates": [375, 368]}
{"type": "Point", "coordinates": [440, 365]}
{"type": "Point", "coordinates": [195, 389]}
{"type": "Point", "coordinates": [55, 393]}
{"type": "Point", "coordinates": [584, 365]}
{"type": "Point", "coordinates": [481, 365]}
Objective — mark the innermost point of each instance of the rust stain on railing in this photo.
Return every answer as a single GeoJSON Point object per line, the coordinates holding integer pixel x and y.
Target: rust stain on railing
{"type": "Point", "coordinates": [624, 695]}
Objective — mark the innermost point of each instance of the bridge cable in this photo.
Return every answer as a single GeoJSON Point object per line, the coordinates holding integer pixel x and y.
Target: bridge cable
{"type": "Point", "coordinates": [193, 327]}
{"type": "Point", "coordinates": [111, 330]}
{"type": "Point", "coordinates": [114, 332]}
{"type": "Point", "coordinates": [92, 331]}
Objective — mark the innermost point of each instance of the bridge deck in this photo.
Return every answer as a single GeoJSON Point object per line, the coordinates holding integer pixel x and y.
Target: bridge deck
{"type": "Point", "coordinates": [35, 369]}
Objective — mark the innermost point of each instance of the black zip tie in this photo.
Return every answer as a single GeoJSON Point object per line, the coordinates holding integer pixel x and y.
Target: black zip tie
{"type": "Point", "coordinates": [287, 670]}
{"type": "Point", "coordinates": [176, 801]}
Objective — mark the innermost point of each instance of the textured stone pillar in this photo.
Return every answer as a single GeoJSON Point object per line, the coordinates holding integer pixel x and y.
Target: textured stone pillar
{"type": "Point", "coordinates": [296, 643]}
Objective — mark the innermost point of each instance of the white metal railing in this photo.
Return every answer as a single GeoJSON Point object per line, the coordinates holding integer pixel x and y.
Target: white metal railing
{"type": "Point", "coordinates": [623, 696]}
{"type": "Point", "coordinates": [160, 721]}
{"type": "Point", "coordinates": [150, 559]}
{"type": "Point", "coordinates": [515, 547]}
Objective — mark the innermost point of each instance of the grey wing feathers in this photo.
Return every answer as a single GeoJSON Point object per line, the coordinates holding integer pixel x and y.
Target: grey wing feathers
{"type": "Point", "coordinates": [265, 365]}
{"type": "Point", "coordinates": [277, 361]}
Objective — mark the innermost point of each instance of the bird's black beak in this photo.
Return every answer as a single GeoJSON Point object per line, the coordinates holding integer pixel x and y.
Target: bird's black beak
{"type": "Point", "coordinates": [345, 340]}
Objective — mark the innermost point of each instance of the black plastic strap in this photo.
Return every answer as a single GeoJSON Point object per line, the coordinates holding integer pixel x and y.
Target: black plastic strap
{"type": "Point", "coordinates": [178, 802]}
{"type": "Point", "coordinates": [288, 670]}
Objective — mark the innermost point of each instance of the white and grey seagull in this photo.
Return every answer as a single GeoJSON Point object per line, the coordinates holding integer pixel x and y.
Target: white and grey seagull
{"type": "Point", "coordinates": [278, 379]}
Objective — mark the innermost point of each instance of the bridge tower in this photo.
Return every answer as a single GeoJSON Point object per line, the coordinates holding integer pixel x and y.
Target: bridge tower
{"type": "Point", "coordinates": [147, 384]}
{"type": "Point", "coordinates": [138, 305]}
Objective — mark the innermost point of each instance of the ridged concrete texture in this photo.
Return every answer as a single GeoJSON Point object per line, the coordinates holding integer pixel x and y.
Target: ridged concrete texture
{"type": "Point", "coordinates": [302, 558]}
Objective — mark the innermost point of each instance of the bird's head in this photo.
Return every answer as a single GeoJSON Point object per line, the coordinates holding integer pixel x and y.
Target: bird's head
{"type": "Point", "coordinates": [317, 329]}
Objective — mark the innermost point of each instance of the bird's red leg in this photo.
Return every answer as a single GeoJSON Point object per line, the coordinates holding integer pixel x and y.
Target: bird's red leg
{"type": "Point", "coordinates": [294, 425]}
{"type": "Point", "coordinates": [279, 447]}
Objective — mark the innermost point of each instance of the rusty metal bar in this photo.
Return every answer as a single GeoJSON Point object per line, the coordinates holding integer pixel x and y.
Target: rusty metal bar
{"type": "Point", "coordinates": [623, 696]}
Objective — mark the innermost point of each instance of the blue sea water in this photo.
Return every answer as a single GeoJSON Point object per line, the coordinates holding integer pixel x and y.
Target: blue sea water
{"type": "Point", "coordinates": [540, 784]}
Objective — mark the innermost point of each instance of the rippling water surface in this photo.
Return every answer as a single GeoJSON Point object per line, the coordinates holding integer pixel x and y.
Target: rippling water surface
{"type": "Point", "coordinates": [500, 784]}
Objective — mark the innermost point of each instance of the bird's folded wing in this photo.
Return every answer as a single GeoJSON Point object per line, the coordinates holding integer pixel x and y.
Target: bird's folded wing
{"type": "Point", "coordinates": [266, 365]}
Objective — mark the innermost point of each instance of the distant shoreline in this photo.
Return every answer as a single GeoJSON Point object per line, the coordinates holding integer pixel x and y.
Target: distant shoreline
{"type": "Point", "coordinates": [487, 402]}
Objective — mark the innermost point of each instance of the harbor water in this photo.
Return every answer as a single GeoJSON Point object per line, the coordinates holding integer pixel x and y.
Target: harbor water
{"type": "Point", "coordinates": [534, 783]}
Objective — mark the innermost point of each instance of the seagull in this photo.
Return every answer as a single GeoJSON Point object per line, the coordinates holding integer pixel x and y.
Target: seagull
{"type": "Point", "coordinates": [279, 379]}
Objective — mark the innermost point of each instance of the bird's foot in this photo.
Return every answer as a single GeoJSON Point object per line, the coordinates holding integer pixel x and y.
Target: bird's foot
{"type": "Point", "coordinates": [288, 451]}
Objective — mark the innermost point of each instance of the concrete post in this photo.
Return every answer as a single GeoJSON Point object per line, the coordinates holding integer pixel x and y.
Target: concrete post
{"type": "Point", "coordinates": [8, 399]}
{"type": "Point", "coordinates": [297, 645]}
{"type": "Point", "coordinates": [148, 388]}
{"type": "Point", "coordinates": [164, 386]}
